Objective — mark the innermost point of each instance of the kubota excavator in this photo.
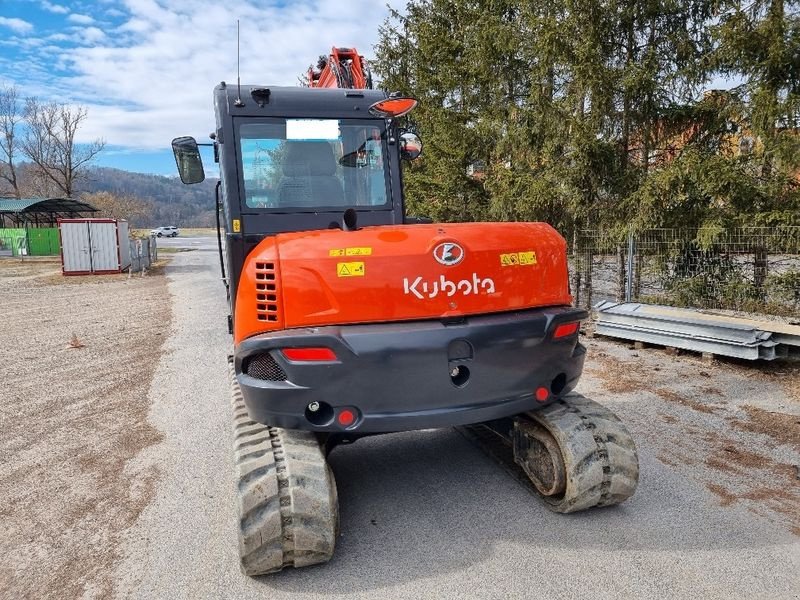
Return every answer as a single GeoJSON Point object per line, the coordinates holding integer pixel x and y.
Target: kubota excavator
{"type": "Point", "coordinates": [351, 318]}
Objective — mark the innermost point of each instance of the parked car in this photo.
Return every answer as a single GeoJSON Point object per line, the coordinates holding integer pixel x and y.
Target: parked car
{"type": "Point", "coordinates": [170, 231]}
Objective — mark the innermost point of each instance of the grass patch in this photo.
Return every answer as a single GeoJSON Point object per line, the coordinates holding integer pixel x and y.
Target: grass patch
{"type": "Point", "coordinates": [173, 250]}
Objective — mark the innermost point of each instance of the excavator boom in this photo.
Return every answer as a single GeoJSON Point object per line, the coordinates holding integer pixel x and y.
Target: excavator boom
{"type": "Point", "coordinates": [343, 68]}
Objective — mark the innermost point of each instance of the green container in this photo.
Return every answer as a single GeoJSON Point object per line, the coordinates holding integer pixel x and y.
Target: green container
{"type": "Point", "coordinates": [43, 241]}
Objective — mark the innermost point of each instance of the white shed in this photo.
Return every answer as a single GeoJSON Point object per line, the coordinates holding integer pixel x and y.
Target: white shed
{"type": "Point", "coordinates": [94, 246]}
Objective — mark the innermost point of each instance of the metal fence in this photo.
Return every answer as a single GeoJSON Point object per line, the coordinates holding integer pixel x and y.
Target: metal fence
{"type": "Point", "coordinates": [749, 269]}
{"type": "Point", "coordinates": [144, 253]}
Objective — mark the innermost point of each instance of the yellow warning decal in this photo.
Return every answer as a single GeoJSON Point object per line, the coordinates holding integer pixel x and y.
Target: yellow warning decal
{"type": "Point", "coordinates": [350, 269]}
{"type": "Point", "coordinates": [350, 252]}
{"type": "Point", "coordinates": [237, 226]}
{"type": "Point", "coordinates": [357, 251]}
{"type": "Point", "coordinates": [508, 260]}
{"type": "Point", "coordinates": [518, 258]}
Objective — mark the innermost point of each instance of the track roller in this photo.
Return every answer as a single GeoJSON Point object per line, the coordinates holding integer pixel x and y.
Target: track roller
{"type": "Point", "coordinates": [286, 499]}
{"type": "Point", "coordinates": [576, 453]}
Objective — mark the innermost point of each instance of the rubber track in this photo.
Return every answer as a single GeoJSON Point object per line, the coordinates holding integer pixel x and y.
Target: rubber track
{"type": "Point", "coordinates": [286, 500]}
{"type": "Point", "coordinates": [602, 467]}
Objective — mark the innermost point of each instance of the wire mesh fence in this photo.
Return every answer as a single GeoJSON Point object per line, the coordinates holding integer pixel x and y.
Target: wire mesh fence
{"type": "Point", "coordinates": [749, 269]}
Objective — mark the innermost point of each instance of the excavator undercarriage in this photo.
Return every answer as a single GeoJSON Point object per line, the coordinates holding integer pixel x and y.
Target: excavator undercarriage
{"type": "Point", "coordinates": [574, 454]}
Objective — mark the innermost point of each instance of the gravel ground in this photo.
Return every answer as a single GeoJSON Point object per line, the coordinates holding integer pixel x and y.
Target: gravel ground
{"type": "Point", "coordinates": [141, 504]}
{"type": "Point", "coordinates": [77, 357]}
{"type": "Point", "coordinates": [427, 515]}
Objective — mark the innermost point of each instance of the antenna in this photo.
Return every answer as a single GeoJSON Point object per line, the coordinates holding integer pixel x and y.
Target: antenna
{"type": "Point", "coordinates": [238, 80]}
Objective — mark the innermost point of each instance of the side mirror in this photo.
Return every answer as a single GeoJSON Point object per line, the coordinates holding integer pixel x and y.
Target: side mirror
{"type": "Point", "coordinates": [410, 146]}
{"type": "Point", "coordinates": [187, 157]}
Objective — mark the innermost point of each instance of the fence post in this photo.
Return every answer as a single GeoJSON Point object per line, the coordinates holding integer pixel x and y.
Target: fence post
{"type": "Point", "coordinates": [629, 278]}
{"type": "Point", "coordinates": [587, 277]}
{"type": "Point", "coordinates": [576, 278]}
{"type": "Point", "coordinates": [760, 270]}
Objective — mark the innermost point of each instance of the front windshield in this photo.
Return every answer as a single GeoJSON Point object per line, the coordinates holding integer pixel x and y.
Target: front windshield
{"type": "Point", "coordinates": [314, 163]}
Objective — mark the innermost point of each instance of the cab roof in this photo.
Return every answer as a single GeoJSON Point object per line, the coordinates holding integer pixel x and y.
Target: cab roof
{"type": "Point", "coordinates": [295, 101]}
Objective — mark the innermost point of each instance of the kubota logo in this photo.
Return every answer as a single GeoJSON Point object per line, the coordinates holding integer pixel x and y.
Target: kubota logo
{"type": "Point", "coordinates": [448, 253]}
{"type": "Point", "coordinates": [430, 289]}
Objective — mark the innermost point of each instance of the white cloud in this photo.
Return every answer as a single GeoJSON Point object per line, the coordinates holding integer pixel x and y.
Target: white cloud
{"type": "Point", "coordinates": [54, 8]}
{"type": "Point", "coordinates": [80, 19]}
{"type": "Point", "coordinates": [91, 35]}
{"type": "Point", "coordinates": [151, 78]}
{"type": "Point", "coordinates": [17, 25]}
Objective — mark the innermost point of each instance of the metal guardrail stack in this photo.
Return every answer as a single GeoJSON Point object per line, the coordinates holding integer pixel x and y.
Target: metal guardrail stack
{"type": "Point", "coordinates": [697, 331]}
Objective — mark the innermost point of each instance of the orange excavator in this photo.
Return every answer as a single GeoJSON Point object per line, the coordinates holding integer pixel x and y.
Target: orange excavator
{"type": "Point", "coordinates": [351, 318]}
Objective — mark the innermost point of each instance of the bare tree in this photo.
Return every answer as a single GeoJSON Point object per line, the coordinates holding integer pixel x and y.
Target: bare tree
{"type": "Point", "coordinates": [50, 143]}
{"type": "Point", "coordinates": [10, 117]}
{"type": "Point", "coordinates": [126, 206]}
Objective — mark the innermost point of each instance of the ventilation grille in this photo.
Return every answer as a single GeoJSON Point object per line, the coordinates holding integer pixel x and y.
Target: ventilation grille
{"type": "Point", "coordinates": [266, 292]}
{"type": "Point", "coordinates": [263, 366]}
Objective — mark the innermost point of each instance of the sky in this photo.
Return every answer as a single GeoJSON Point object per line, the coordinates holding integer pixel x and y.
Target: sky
{"type": "Point", "coordinates": [145, 69]}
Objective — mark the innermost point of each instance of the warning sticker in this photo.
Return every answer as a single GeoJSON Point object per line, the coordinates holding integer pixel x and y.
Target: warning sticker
{"type": "Point", "coordinates": [518, 258]}
{"type": "Point", "coordinates": [350, 269]}
{"type": "Point", "coordinates": [350, 252]}
{"type": "Point", "coordinates": [237, 226]}
{"type": "Point", "coordinates": [508, 260]}
{"type": "Point", "coordinates": [357, 251]}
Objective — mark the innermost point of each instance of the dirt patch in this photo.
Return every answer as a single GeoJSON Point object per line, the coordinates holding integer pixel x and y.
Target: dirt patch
{"type": "Point", "coordinates": [672, 396]}
{"type": "Point", "coordinates": [701, 420]}
{"type": "Point", "coordinates": [72, 416]}
{"type": "Point", "coordinates": [726, 498]}
{"type": "Point", "coordinates": [667, 418]}
{"type": "Point", "coordinates": [783, 428]}
{"type": "Point", "coordinates": [634, 375]}
{"type": "Point", "coordinates": [758, 481]}
{"type": "Point", "coordinates": [28, 267]}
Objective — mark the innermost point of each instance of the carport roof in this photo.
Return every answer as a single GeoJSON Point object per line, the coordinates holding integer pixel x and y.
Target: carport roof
{"type": "Point", "coordinates": [40, 211]}
{"type": "Point", "coordinates": [62, 206]}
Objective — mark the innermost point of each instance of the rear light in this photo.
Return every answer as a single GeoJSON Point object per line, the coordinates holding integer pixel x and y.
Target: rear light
{"type": "Point", "coordinates": [566, 330]}
{"type": "Point", "coordinates": [346, 417]}
{"type": "Point", "coordinates": [309, 354]}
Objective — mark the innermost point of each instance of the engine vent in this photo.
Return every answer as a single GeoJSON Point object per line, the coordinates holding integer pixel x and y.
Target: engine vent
{"type": "Point", "coordinates": [263, 366]}
{"type": "Point", "coordinates": [266, 292]}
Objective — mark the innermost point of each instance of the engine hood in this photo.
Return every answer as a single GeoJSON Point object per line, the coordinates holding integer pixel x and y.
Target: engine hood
{"type": "Point", "coordinates": [406, 272]}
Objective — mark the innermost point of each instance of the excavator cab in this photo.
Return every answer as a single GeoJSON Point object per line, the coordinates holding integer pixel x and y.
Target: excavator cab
{"type": "Point", "coordinates": [290, 160]}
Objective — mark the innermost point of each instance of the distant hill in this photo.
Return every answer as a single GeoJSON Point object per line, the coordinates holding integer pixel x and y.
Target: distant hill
{"type": "Point", "coordinates": [174, 203]}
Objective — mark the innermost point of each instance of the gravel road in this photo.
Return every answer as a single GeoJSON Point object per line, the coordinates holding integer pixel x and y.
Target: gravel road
{"type": "Point", "coordinates": [77, 355]}
{"type": "Point", "coordinates": [427, 515]}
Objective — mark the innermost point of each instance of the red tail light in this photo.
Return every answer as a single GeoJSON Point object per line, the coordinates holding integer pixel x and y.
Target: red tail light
{"type": "Point", "coordinates": [566, 329]}
{"type": "Point", "coordinates": [309, 354]}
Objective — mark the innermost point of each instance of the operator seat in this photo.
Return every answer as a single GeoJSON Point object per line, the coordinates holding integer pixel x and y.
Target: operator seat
{"type": "Point", "coordinates": [309, 176]}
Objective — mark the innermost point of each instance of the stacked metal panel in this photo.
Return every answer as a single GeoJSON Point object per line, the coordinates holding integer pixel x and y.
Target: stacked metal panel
{"type": "Point", "coordinates": [697, 331]}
